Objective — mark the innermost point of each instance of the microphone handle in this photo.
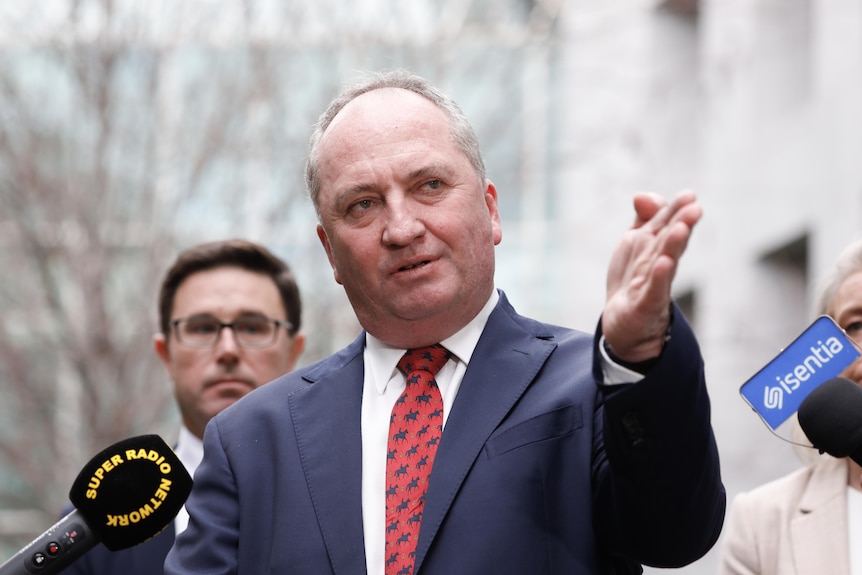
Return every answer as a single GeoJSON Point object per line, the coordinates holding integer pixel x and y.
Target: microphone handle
{"type": "Point", "coordinates": [53, 550]}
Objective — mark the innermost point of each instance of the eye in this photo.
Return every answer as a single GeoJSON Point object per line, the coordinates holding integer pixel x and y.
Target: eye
{"type": "Point", "coordinates": [361, 206]}
{"type": "Point", "coordinates": [434, 184]}
{"type": "Point", "coordinates": [252, 326]}
{"type": "Point", "coordinates": [854, 328]}
{"type": "Point", "coordinates": [201, 325]}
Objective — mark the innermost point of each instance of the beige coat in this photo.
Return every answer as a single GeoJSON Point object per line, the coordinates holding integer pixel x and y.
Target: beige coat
{"type": "Point", "coordinates": [795, 525]}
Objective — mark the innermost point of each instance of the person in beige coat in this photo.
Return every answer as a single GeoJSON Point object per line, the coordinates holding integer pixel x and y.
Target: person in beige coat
{"type": "Point", "coordinates": [801, 524]}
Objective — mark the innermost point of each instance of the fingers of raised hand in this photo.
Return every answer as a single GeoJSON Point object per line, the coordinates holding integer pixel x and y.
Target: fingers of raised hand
{"type": "Point", "coordinates": [656, 213]}
{"type": "Point", "coordinates": [671, 224]}
{"type": "Point", "coordinates": [647, 205]}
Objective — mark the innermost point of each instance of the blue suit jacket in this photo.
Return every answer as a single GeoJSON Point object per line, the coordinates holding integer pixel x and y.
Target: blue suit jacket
{"type": "Point", "coordinates": [541, 470]}
{"type": "Point", "coordinates": [148, 558]}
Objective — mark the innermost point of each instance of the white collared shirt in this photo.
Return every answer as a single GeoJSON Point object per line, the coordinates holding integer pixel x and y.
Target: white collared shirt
{"type": "Point", "coordinates": [190, 451]}
{"type": "Point", "coordinates": [383, 385]}
{"type": "Point", "coordinates": [854, 522]}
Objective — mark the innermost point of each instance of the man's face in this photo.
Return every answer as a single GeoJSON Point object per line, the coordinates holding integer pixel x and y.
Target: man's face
{"type": "Point", "coordinates": [407, 225]}
{"type": "Point", "coordinates": [846, 310]}
{"type": "Point", "coordinates": [210, 379]}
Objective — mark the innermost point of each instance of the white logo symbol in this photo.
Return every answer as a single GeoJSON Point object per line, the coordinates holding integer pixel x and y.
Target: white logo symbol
{"type": "Point", "coordinates": [773, 397]}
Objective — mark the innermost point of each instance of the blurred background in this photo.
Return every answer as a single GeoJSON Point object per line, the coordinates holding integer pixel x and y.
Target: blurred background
{"type": "Point", "coordinates": [131, 129]}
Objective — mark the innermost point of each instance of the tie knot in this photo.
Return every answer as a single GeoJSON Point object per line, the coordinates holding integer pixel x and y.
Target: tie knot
{"type": "Point", "coordinates": [430, 359]}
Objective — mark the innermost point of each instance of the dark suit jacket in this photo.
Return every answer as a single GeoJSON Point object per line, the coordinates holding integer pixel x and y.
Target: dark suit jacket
{"type": "Point", "coordinates": [541, 469]}
{"type": "Point", "coordinates": [148, 558]}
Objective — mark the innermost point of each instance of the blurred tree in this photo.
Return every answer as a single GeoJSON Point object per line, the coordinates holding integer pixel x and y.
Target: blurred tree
{"type": "Point", "coordinates": [130, 130]}
{"type": "Point", "coordinates": [81, 250]}
{"type": "Point", "coordinates": [114, 153]}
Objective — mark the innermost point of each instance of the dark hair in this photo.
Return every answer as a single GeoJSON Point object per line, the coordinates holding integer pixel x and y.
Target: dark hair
{"type": "Point", "coordinates": [230, 253]}
{"type": "Point", "coordinates": [460, 129]}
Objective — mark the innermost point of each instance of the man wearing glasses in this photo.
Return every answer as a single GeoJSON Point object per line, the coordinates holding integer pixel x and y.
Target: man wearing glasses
{"type": "Point", "coordinates": [229, 317]}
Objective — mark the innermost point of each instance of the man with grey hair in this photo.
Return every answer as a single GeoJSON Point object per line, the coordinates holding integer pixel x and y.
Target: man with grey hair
{"type": "Point", "coordinates": [455, 435]}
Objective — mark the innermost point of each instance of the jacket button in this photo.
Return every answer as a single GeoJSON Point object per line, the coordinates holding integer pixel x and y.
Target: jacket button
{"type": "Point", "coordinates": [633, 428]}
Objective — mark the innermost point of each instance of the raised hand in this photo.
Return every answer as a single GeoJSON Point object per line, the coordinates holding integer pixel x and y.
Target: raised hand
{"type": "Point", "coordinates": [642, 268]}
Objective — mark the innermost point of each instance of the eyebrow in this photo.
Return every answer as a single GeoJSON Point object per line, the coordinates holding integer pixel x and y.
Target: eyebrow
{"type": "Point", "coordinates": [343, 197]}
{"type": "Point", "coordinates": [243, 314]}
{"type": "Point", "coordinates": [431, 170]}
{"type": "Point", "coordinates": [428, 171]}
{"type": "Point", "coordinates": [840, 315]}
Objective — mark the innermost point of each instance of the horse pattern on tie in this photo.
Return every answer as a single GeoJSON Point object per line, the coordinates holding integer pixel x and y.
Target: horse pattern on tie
{"type": "Point", "coordinates": [415, 428]}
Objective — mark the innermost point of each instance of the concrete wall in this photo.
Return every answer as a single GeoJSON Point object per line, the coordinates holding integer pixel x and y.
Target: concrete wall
{"type": "Point", "coordinates": [756, 105]}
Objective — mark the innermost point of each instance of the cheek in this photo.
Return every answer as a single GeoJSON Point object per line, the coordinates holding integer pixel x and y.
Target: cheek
{"type": "Point", "coordinates": [189, 369]}
{"type": "Point", "coordinates": [354, 261]}
{"type": "Point", "coordinates": [480, 242]}
{"type": "Point", "coordinates": [189, 361]}
{"type": "Point", "coordinates": [271, 365]}
{"type": "Point", "coordinates": [854, 371]}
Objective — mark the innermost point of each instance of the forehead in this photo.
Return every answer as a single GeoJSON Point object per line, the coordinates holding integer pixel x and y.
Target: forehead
{"type": "Point", "coordinates": [228, 289]}
{"type": "Point", "coordinates": [388, 108]}
{"type": "Point", "coordinates": [849, 294]}
{"type": "Point", "coordinates": [387, 114]}
{"type": "Point", "coordinates": [380, 130]}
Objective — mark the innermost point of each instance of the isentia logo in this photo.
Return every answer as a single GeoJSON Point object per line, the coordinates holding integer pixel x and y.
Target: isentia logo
{"type": "Point", "coordinates": [821, 354]}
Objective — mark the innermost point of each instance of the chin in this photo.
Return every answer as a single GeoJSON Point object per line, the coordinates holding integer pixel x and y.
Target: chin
{"type": "Point", "coordinates": [229, 391]}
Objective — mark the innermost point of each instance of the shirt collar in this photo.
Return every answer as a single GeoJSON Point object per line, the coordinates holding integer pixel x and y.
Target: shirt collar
{"type": "Point", "coordinates": [382, 359]}
{"type": "Point", "coordinates": [189, 449]}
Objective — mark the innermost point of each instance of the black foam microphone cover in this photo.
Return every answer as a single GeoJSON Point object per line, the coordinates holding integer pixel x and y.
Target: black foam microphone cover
{"type": "Point", "coordinates": [131, 490]}
{"type": "Point", "coordinates": [831, 417]}
{"type": "Point", "coordinates": [126, 494]}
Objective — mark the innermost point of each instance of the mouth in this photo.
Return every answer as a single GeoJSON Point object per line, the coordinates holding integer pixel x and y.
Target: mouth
{"type": "Point", "coordinates": [413, 266]}
{"type": "Point", "coordinates": [230, 382]}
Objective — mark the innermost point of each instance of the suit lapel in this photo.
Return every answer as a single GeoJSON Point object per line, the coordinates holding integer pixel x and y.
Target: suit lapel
{"type": "Point", "coordinates": [505, 361]}
{"type": "Point", "coordinates": [822, 509]}
{"type": "Point", "coordinates": [326, 418]}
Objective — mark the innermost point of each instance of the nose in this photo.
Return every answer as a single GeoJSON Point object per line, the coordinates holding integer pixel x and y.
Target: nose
{"type": "Point", "coordinates": [227, 348]}
{"type": "Point", "coordinates": [403, 222]}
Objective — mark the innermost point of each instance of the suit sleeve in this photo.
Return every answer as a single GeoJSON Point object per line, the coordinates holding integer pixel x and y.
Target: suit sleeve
{"type": "Point", "coordinates": [658, 495]}
{"type": "Point", "coordinates": [82, 566]}
{"type": "Point", "coordinates": [210, 542]}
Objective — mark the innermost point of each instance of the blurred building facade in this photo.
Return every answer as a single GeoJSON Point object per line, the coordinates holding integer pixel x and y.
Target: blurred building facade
{"type": "Point", "coordinates": [755, 104]}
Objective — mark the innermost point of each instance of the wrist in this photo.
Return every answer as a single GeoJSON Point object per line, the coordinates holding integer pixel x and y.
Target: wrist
{"type": "Point", "coordinates": [638, 366]}
{"type": "Point", "coordinates": [641, 365]}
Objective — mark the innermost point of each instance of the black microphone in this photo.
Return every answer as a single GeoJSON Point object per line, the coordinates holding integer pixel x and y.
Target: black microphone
{"type": "Point", "coordinates": [831, 417]}
{"type": "Point", "coordinates": [125, 495]}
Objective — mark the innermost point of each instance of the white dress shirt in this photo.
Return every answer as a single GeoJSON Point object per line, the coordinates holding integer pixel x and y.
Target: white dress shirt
{"type": "Point", "coordinates": [854, 521]}
{"type": "Point", "coordinates": [190, 451]}
{"type": "Point", "coordinates": [383, 385]}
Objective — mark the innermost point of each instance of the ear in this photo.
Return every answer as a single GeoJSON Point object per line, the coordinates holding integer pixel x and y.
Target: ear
{"type": "Point", "coordinates": [324, 239]}
{"type": "Point", "coordinates": [160, 344]}
{"type": "Point", "coordinates": [297, 348]}
{"type": "Point", "coordinates": [491, 202]}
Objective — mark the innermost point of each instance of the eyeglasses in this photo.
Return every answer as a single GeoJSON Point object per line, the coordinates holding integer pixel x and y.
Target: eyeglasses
{"type": "Point", "coordinates": [253, 331]}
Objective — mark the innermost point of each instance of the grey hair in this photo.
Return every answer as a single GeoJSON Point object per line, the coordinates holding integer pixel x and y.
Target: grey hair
{"type": "Point", "coordinates": [463, 134]}
{"type": "Point", "coordinates": [849, 261]}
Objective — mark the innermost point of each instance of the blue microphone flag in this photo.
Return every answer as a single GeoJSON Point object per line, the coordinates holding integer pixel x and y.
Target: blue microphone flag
{"type": "Point", "coordinates": [819, 354]}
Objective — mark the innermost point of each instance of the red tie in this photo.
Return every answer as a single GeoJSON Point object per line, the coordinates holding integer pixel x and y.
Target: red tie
{"type": "Point", "coordinates": [415, 428]}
